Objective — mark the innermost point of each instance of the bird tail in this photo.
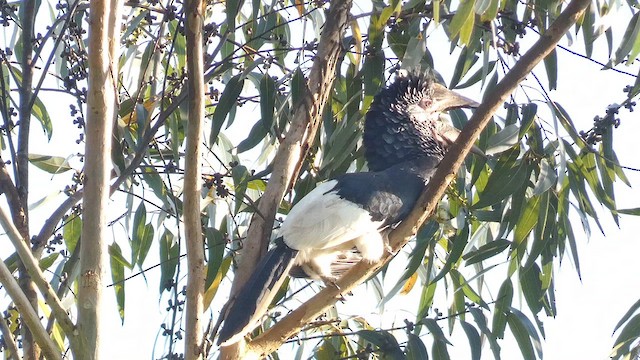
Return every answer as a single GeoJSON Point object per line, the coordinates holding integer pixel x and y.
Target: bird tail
{"type": "Point", "coordinates": [255, 296]}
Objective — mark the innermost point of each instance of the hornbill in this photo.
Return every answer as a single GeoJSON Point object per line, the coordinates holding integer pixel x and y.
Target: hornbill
{"type": "Point", "coordinates": [351, 211]}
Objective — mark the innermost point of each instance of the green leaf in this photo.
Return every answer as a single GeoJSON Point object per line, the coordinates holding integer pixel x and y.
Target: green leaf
{"type": "Point", "coordinates": [505, 180]}
{"type": "Point", "coordinates": [267, 100]}
{"type": "Point", "coordinates": [467, 290]}
{"type": "Point", "coordinates": [630, 44]}
{"type": "Point", "coordinates": [474, 340]}
{"type": "Point", "coordinates": [435, 330]}
{"type": "Point", "coordinates": [629, 332]}
{"type": "Point", "coordinates": [551, 65]}
{"type": "Point", "coordinates": [503, 140]}
{"type": "Point", "coordinates": [546, 178]}
{"type": "Point", "coordinates": [256, 135]}
{"type": "Point", "coordinates": [459, 243]}
{"type": "Point", "coordinates": [50, 164]}
{"type": "Point", "coordinates": [528, 114]}
{"type": "Point", "coordinates": [532, 287]}
{"type": "Point", "coordinates": [501, 310]}
{"type": "Point", "coordinates": [215, 245]}
{"type": "Point", "coordinates": [486, 251]}
{"type": "Point", "coordinates": [240, 176]}
{"type": "Point", "coordinates": [439, 351]}
{"type": "Point", "coordinates": [531, 330]}
{"type": "Point", "coordinates": [481, 321]}
{"type": "Point", "coordinates": [48, 260]}
{"type": "Point", "coordinates": [71, 232]}
{"type": "Point", "coordinates": [227, 101]}
{"type": "Point", "coordinates": [627, 315]}
{"type": "Point", "coordinates": [462, 21]}
{"type": "Point", "coordinates": [142, 236]}
{"type": "Point", "coordinates": [415, 349]}
{"type": "Point", "coordinates": [386, 343]}
{"type": "Point", "coordinates": [169, 257]}
{"type": "Point", "coordinates": [41, 113]}
{"type": "Point", "coordinates": [522, 337]}
{"type": "Point", "coordinates": [117, 276]}
{"type": "Point", "coordinates": [528, 219]}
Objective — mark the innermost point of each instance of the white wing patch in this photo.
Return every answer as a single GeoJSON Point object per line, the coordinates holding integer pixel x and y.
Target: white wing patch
{"type": "Point", "coordinates": [322, 222]}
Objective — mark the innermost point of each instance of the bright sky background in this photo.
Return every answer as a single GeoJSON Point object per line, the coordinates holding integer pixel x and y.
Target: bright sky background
{"type": "Point", "coordinates": [587, 310]}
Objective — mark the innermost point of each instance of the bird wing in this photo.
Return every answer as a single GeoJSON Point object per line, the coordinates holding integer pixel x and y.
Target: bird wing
{"type": "Point", "coordinates": [322, 219]}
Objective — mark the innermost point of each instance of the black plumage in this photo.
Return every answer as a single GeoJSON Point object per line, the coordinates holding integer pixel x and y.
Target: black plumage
{"type": "Point", "coordinates": [405, 121]}
{"type": "Point", "coordinates": [387, 199]}
{"type": "Point", "coordinates": [341, 220]}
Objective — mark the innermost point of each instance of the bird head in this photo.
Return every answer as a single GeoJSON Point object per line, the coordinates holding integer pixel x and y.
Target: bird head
{"type": "Point", "coordinates": [405, 120]}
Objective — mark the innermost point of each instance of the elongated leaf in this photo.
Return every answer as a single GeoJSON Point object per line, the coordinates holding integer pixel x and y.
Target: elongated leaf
{"type": "Point", "coordinates": [387, 344]}
{"type": "Point", "coordinates": [50, 164]}
{"type": "Point", "coordinates": [503, 139]}
{"type": "Point", "coordinates": [215, 244]}
{"type": "Point", "coordinates": [227, 101]}
{"type": "Point", "coordinates": [439, 351]}
{"type": "Point", "coordinates": [169, 257]}
{"type": "Point", "coordinates": [522, 337]}
{"type": "Point", "coordinates": [551, 65]}
{"type": "Point", "coordinates": [528, 325]}
{"type": "Point", "coordinates": [630, 44]}
{"type": "Point", "coordinates": [501, 310]}
{"type": "Point", "coordinates": [459, 243]}
{"type": "Point", "coordinates": [502, 183]}
{"type": "Point", "coordinates": [415, 349]}
{"type": "Point", "coordinates": [532, 287]}
{"type": "Point", "coordinates": [41, 113]}
{"type": "Point", "coordinates": [71, 232]}
{"type": "Point", "coordinates": [240, 176]}
{"type": "Point", "coordinates": [481, 321]}
{"type": "Point", "coordinates": [463, 16]}
{"type": "Point", "coordinates": [142, 236]}
{"type": "Point", "coordinates": [117, 276]}
{"type": "Point", "coordinates": [474, 340]}
{"type": "Point", "coordinates": [486, 251]}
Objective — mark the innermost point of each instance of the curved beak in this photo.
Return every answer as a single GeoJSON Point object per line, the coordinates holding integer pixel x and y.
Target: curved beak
{"type": "Point", "coordinates": [445, 99]}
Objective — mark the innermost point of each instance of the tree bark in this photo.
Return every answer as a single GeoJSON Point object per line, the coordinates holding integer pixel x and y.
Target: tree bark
{"type": "Point", "coordinates": [293, 149]}
{"type": "Point", "coordinates": [20, 213]}
{"type": "Point", "coordinates": [291, 324]}
{"type": "Point", "coordinates": [192, 181]}
{"type": "Point", "coordinates": [104, 41]}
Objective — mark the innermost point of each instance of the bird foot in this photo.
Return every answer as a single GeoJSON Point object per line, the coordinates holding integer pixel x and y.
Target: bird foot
{"type": "Point", "coordinates": [330, 281]}
{"type": "Point", "coordinates": [387, 247]}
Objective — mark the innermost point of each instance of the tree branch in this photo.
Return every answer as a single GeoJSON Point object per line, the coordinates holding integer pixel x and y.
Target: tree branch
{"type": "Point", "coordinates": [104, 40]}
{"type": "Point", "coordinates": [294, 147]}
{"type": "Point", "coordinates": [192, 181]}
{"type": "Point", "coordinates": [37, 276]}
{"type": "Point", "coordinates": [271, 339]}
{"type": "Point", "coordinates": [27, 313]}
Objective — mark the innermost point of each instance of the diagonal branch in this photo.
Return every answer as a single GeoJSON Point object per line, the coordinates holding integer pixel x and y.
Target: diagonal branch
{"type": "Point", "coordinates": [271, 339]}
{"type": "Point", "coordinates": [298, 139]}
{"type": "Point", "coordinates": [293, 149]}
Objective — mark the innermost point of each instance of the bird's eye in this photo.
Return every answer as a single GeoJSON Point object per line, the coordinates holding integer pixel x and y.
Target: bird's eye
{"type": "Point", "coordinates": [425, 103]}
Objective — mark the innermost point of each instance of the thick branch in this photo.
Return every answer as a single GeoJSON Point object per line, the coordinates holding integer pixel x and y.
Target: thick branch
{"type": "Point", "coordinates": [20, 213]}
{"type": "Point", "coordinates": [28, 314]}
{"type": "Point", "coordinates": [294, 147]}
{"type": "Point", "coordinates": [192, 182]}
{"type": "Point", "coordinates": [294, 321]}
{"type": "Point", "coordinates": [36, 274]}
{"type": "Point", "coordinates": [104, 39]}
{"type": "Point", "coordinates": [292, 150]}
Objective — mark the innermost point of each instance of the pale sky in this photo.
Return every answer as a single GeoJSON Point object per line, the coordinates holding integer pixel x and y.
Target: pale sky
{"type": "Point", "coordinates": [587, 310]}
